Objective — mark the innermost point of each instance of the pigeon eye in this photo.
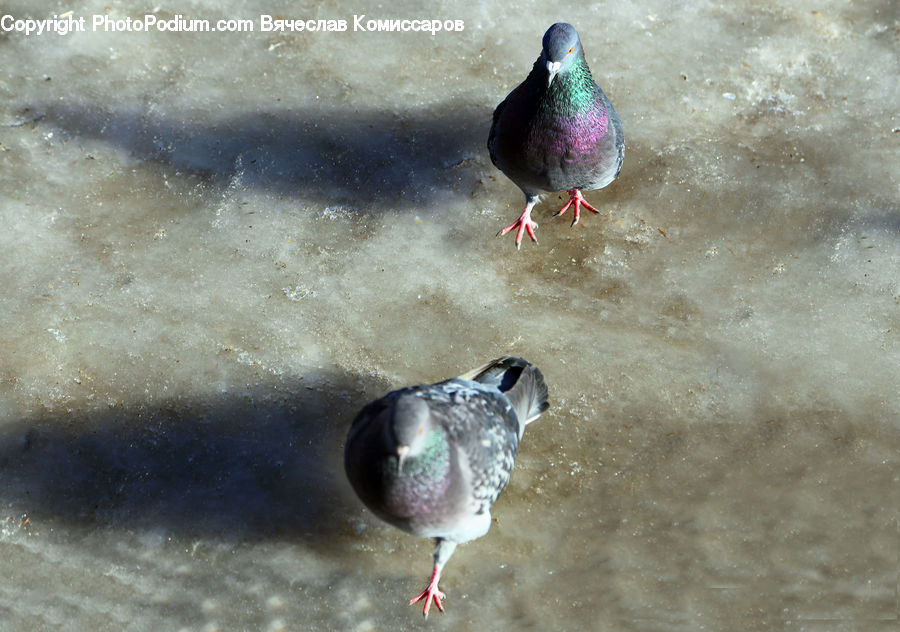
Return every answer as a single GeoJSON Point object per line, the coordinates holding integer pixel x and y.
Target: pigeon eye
{"type": "Point", "coordinates": [570, 50]}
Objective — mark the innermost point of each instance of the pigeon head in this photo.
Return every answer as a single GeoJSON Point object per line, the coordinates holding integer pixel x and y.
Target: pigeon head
{"type": "Point", "coordinates": [561, 48]}
{"type": "Point", "coordinates": [411, 427]}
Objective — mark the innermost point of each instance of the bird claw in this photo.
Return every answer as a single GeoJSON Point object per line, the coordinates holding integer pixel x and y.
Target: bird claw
{"type": "Point", "coordinates": [577, 198]}
{"type": "Point", "coordinates": [524, 224]}
{"type": "Point", "coordinates": [432, 593]}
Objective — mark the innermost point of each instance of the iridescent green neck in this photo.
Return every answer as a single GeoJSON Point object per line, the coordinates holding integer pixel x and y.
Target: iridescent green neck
{"type": "Point", "coordinates": [571, 93]}
{"type": "Point", "coordinates": [432, 462]}
{"type": "Point", "coordinates": [431, 459]}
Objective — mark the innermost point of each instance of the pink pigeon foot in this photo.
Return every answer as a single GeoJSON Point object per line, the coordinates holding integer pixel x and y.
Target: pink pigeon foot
{"type": "Point", "coordinates": [524, 223]}
{"type": "Point", "coordinates": [576, 197]}
{"type": "Point", "coordinates": [432, 593]}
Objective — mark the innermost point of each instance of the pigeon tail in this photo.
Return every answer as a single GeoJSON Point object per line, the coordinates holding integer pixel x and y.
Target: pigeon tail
{"type": "Point", "coordinates": [521, 382]}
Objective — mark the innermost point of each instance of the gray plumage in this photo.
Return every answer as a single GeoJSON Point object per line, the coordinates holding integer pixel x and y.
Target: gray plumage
{"type": "Point", "coordinates": [557, 130]}
{"type": "Point", "coordinates": [432, 459]}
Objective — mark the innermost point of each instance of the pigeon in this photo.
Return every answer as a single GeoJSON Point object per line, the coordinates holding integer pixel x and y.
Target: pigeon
{"type": "Point", "coordinates": [432, 459]}
{"type": "Point", "coordinates": [557, 131]}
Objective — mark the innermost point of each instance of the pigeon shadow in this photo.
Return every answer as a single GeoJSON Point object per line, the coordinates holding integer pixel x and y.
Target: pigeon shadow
{"type": "Point", "coordinates": [354, 157]}
{"type": "Point", "coordinates": [266, 463]}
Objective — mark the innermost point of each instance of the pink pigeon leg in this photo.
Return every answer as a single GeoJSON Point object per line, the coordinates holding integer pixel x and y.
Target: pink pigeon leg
{"type": "Point", "coordinates": [443, 549]}
{"type": "Point", "coordinates": [432, 593]}
{"type": "Point", "coordinates": [524, 223]}
{"type": "Point", "coordinates": [576, 197]}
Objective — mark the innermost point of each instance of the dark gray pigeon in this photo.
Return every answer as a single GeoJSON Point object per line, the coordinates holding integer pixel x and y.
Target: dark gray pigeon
{"type": "Point", "coordinates": [557, 131]}
{"type": "Point", "coordinates": [432, 459]}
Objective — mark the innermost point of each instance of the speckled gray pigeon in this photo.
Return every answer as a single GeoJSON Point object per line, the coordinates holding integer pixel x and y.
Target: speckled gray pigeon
{"type": "Point", "coordinates": [432, 459]}
{"type": "Point", "coordinates": [557, 131]}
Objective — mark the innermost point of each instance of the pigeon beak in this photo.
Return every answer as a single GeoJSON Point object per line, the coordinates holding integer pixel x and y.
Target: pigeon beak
{"type": "Point", "coordinates": [552, 69]}
{"type": "Point", "coordinates": [402, 451]}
